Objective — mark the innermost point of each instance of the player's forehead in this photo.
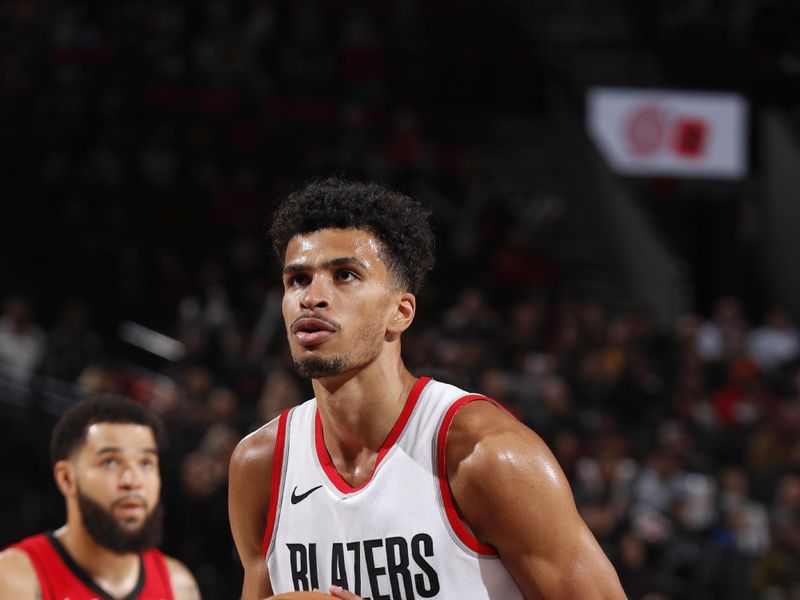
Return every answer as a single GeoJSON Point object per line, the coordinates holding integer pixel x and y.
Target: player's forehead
{"type": "Point", "coordinates": [325, 245]}
{"type": "Point", "coordinates": [124, 437]}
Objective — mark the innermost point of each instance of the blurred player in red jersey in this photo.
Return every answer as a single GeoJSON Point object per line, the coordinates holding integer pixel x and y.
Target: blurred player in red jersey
{"type": "Point", "coordinates": [105, 463]}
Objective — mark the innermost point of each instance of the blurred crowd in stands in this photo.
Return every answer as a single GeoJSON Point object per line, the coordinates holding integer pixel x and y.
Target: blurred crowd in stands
{"type": "Point", "coordinates": [151, 140]}
{"type": "Point", "coordinates": [683, 446]}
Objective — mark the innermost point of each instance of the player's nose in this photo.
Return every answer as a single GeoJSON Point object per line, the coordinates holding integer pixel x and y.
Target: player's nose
{"type": "Point", "coordinates": [316, 294]}
{"type": "Point", "coordinates": [130, 478]}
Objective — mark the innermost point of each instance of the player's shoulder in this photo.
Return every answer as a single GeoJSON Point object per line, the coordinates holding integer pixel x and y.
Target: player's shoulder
{"type": "Point", "coordinates": [256, 449]}
{"type": "Point", "coordinates": [481, 418]}
{"type": "Point", "coordinates": [17, 560]}
{"type": "Point", "coordinates": [184, 585]}
{"type": "Point", "coordinates": [493, 460]}
{"type": "Point", "coordinates": [252, 461]}
{"type": "Point", "coordinates": [17, 575]}
{"type": "Point", "coordinates": [482, 435]}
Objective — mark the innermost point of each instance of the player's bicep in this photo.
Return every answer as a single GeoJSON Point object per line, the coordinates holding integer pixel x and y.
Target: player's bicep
{"type": "Point", "coordinates": [184, 585]}
{"type": "Point", "coordinates": [574, 566]}
{"type": "Point", "coordinates": [243, 513]}
{"type": "Point", "coordinates": [514, 496]}
{"type": "Point", "coordinates": [17, 576]}
{"type": "Point", "coordinates": [248, 505]}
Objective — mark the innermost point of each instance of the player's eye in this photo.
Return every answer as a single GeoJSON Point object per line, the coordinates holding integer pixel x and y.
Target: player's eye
{"type": "Point", "coordinates": [346, 275]}
{"type": "Point", "coordinates": [297, 279]}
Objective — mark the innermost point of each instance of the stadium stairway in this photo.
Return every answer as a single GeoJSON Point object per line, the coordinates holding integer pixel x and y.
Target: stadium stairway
{"type": "Point", "coordinates": [523, 162]}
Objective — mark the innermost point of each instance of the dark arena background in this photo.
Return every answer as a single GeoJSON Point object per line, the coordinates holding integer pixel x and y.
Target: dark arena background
{"type": "Point", "coordinates": [641, 316]}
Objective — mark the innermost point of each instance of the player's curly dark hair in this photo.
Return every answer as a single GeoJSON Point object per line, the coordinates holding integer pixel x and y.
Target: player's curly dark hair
{"type": "Point", "coordinates": [69, 434]}
{"type": "Point", "coordinates": [400, 223]}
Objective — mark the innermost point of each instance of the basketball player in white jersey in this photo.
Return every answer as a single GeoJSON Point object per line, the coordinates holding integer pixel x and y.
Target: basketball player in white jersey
{"type": "Point", "coordinates": [386, 485]}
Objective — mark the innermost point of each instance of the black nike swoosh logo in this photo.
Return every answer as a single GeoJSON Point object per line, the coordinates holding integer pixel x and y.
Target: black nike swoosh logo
{"type": "Point", "coordinates": [303, 496]}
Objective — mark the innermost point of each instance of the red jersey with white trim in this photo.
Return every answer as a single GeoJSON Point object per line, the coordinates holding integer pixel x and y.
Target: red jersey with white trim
{"type": "Point", "coordinates": [60, 577]}
{"type": "Point", "coordinates": [397, 536]}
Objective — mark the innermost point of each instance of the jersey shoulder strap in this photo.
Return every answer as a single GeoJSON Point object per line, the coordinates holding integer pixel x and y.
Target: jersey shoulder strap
{"type": "Point", "coordinates": [158, 583]}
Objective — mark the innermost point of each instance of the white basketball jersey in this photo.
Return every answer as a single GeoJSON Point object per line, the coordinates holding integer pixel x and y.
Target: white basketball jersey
{"type": "Point", "coordinates": [397, 536]}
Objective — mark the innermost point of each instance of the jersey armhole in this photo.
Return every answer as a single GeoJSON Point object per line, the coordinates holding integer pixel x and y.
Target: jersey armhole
{"type": "Point", "coordinates": [454, 520]}
{"type": "Point", "coordinates": [158, 561]}
{"type": "Point", "coordinates": [277, 471]}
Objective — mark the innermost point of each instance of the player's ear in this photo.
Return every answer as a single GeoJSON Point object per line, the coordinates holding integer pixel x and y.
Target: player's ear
{"type": "Point", "coordinates": [405, 309]}
{"type": "Point", "coordinates": [64, 474]}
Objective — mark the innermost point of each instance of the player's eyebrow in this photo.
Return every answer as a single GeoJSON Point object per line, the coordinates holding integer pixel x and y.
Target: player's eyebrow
{"type": "Point", "coordinates": [346, 260]}
{"type": "Point", "coordinates": [112, 449]}
{"type": "Point", "coordinates": [334, 262]}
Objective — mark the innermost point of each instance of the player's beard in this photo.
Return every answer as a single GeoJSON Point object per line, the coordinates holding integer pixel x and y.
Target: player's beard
{"type": "Point", "coordinates": [314, 367]}
{"type": "Point", "coordinates": [107, 531]}
{"type": "Point", "coordinates": [365, 349]}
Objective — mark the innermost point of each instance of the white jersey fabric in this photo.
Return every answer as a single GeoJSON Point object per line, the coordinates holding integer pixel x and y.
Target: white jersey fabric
{"type": "Point", "coordinates": [397, 536]}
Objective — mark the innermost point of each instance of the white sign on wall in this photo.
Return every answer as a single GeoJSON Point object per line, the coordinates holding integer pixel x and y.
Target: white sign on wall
{"type": "Point", "coordinates": [663, 132]}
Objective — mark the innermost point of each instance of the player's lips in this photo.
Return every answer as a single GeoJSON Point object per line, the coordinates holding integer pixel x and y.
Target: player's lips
{"type": "Point", "coordinates": [130, 505]}
{"type": "Point", "coordinates": [310, 331]}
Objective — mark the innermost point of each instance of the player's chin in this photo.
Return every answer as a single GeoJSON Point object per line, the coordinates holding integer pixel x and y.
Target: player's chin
{"type": "Point", "coordinates": [300, 350]}
{"type": "Point", "coordinates": [132, 524]}
{"type": "Point", "coordinates": [131, 528]}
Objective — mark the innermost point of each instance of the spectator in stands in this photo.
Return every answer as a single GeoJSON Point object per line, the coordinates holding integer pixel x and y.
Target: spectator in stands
{"type": "Point", "coordinates": [776, 342]}
{"type": "Point", "coordinates": [661, 484]}
{"type": "Point", "coordinates": [777, 573]}
{"type": "Point", "coordinates": [743, 518]}
{"type": "Point", "coordinates": [636, 570]}
{"type": "Point", "coordinates": [724, 335]}
{"type": "Point", "coordinates": [22, 341]}
{"type": "Point", "coordinates": [742, 400]}
{"type": "Point", "coordinates": [72, 344]}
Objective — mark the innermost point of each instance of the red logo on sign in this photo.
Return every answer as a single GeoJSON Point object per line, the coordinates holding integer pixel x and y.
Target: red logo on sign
{"type": "Point", "coordinates": [690, 137]}
{"type": "Point", "coordinates": [645, 130]}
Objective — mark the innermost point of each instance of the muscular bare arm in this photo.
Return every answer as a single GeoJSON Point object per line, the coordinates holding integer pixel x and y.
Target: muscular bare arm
{"type": "Point", "coordinates": [184, 586]}
{"type": "Point", "coordinates": [250, 477]}
{"type": "Point", "coordinates": [512, 494]}
{"type": "Point", "coordinates": [17, 576]}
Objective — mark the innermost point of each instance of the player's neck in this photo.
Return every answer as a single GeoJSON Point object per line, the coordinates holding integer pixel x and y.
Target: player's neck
{"type": "Point", "coordinates": [359, 411]}
{"type": "Point", "coordinates": [100, 563]}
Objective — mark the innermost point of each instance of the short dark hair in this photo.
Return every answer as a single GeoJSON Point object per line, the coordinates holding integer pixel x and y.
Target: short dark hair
{"type": "Point", "coordinates": [69, 434]}
{"type": "Point", "coordinates": [399, 222]}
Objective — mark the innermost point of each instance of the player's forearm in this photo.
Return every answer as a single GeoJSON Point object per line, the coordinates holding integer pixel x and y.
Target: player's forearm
{"type": "Point", "coordinates": [589, 584]}
{"type": "Point", "coordinates": [256, 584]}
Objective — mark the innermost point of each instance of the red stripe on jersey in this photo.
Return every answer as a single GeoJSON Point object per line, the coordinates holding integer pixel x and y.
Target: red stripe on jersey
{"type": "Point", "coordinates": [277, 468]}
{"type": "Point", "coordinates": [453, 517]}
{"type": "Point", "coordinates": [394, 434]}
